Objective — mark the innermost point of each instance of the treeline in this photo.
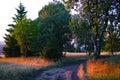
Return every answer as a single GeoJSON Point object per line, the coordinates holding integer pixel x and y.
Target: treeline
{"type": "Point", "coordinates": [96, 24]}
{"type": "Point", "coordinates": [42, 37]}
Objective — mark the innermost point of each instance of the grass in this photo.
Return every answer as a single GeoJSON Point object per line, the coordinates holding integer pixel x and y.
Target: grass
{"type": "Point", "coordinates": [10, 71]}
{"type": "Point", "coordinates": [21, 68]}
{"type": "Point", "coordinates": [63, 62]}
{"type": "Point", "coordinates": [106, 68]}
{"type": "Point", "coordinates": [27, 68]}
{"type": "Point", "coordinates": [99, 70]}
{"type": "Point", "coordinates": [32, 62]}
{"type": "Point", "coordinates": [71, 60]}
{"type": "Point", "coordinates": [114, 59]}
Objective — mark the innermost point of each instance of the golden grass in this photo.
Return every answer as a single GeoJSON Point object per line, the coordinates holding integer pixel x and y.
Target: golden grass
{"type": "Point", "coordinates": [21, 68]}
{"type": "Point", "coordinates": [33, 62]}
{"type": "Point", "coordinates": [80, 72]}
{"type": "Point", "coordinates": [99, 70]}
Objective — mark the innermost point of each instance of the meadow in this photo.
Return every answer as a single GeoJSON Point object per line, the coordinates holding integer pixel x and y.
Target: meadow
{"type": "Point", "coordinates": [106, 68]}
{"type": "Point", "coordinates": [27, 68]}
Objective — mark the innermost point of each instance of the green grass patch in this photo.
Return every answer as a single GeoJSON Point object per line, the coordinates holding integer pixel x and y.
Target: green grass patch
{"type": "Point", "coordinates": [114, 59]}
{"type": "Point", "coordinates": [9, 71]}
{"type": "Point", "coordinates": [69, 60]}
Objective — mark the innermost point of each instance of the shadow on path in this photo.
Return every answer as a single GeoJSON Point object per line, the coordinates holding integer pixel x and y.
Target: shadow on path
{"type": "Point", "coordinates": [74, 69]}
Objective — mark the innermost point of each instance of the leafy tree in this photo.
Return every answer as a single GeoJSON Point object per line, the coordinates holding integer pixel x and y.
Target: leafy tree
{"type": "Point", "coordinates": [112, 46]}
{"type": "Point", "coordinates": [11, 48]}
{"type": "Point", "coordinates": [82, 32]}
{"type": "Point", "coordinates": [96, 14]}
{"type": "Point", "coordinates": [21, 35]}
{"type": "Point", "coordinates": [113, 28]}
{"type": "Point", "coordinates": [27, 35]}
{"type": "Point", "coordinates": [54, 18]}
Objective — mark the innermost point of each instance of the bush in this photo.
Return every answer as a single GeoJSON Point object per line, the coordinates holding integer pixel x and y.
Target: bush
{"type": "Point", "coordinates": [12, 51]}
{"type": "Point", "coordinates": [52, 50]}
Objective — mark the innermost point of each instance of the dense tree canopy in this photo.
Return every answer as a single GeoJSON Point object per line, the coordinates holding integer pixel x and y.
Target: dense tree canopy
{"type": "Point", "coordinates": [96, 14]}
{"type": "Point", "coordinates": [46, 34]}
{"type": "Point", "coordinates": [55, 19]}
{"type": "Point", "coordinates": [12, 48]}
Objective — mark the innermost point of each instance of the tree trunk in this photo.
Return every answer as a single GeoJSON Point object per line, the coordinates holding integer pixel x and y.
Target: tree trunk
{"type": "Point", "coordinates": [23, 50]}
{"type": "Point", "coordinates": [97, 47]}
{"type": "Point", "coordinates": [111, 44]}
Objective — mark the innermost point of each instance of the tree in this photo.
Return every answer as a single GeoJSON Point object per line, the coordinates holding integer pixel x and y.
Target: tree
{"type": "Point", "coordinates": [27, 34]}
{"type": "Point", "coordinates": [113, 28]}
{"type": "Point", "coordinates": [21, 13]}
{"type": "Point", "coordinates": [112, 46]}
{"type": "Point", "coordinates": [22, 35]}
{"type": "Point", "coordinates": [96, 14]}
{"type": "Point", "coordinates": [11, 48]}
{"type": "Point", "coordinates": [55, 19]}
{"type": "Point", "coordinates": [82, 32]}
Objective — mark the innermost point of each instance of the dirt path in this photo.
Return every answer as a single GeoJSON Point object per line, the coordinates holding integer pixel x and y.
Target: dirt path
{"type": "Point", "coordinates": [74, 68]}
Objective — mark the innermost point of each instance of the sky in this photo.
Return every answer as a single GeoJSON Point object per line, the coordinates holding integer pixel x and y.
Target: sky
{"type": "Point", "coordinates": [7, 11]}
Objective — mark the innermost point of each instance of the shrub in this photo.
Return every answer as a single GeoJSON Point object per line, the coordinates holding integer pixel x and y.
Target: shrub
{"type": "Point", "coordinates": [52, 50]}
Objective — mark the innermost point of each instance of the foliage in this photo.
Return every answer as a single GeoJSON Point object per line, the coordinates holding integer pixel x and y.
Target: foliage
{"type": "Point", "coordinates": [54, 18]}
{"type": "Point", "coordinates": [97, 15]}
{"type": "Point", "coordinates": [11, 48]}
{"type": "Point", "coordinates": [82, 31]}
{"type": "Point", "coordinates": [113, 28]}
{"type": "Point", "coordinates": [26, 33]}
{"type": "Point", "coordinates": [52, 50]}
{"type": "Point", "coordinates": [114, 46]}
{"type": "Point", "coordinates": [21, 13]}
{"type": "Point", "coordinates": [21, 33]}
{"type": "Point", "coordinates": [67, 47]}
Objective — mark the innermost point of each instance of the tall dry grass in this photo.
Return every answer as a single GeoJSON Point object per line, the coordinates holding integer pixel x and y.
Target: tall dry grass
{"type": "Point", "coordinates": [21, 68]}
{"type": "Point", "coordinates": [101, 70]}
{"type": "Point", "coordinates": [33, 62]}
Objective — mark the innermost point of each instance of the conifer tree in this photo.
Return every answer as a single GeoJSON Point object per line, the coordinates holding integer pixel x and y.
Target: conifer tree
{"type": "Point", "coordinates": [11, 48]}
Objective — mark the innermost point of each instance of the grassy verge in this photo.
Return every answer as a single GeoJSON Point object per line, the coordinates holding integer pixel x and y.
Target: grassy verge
{"type": "Point", "coordinates": [10, 71]}
{"type": "Point", "coordinates": [107, 68]}
{"type": "Point", "coordinates": [114, 59]}
{"type": "Point", "coordinates": [71, 60]}
{"type": "Point", "coordinates": [21, 68]}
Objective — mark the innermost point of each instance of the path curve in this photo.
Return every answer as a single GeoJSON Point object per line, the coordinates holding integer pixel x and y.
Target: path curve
{"type": "Point", "coordinates": [74, 68]}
